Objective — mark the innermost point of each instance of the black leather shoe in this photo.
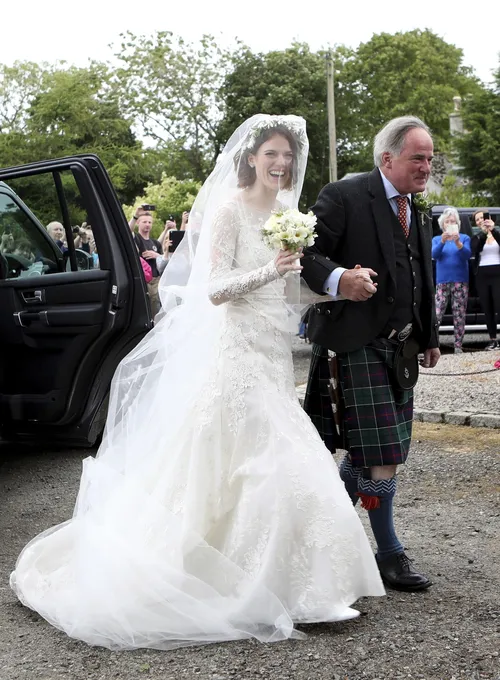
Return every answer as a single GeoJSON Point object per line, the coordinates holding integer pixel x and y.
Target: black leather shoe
{"type": "Point", "coordinates": [398, 573]}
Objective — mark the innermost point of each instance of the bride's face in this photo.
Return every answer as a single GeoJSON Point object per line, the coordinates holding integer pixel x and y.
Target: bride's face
{"type": "Point", "coordinates": [273, 163]}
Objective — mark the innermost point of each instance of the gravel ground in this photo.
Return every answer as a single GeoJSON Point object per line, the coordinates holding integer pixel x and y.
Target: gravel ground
{"type": "Point", "coordinates": [448, 512]}
{"type": "Point", "coordinates": [475, 393]}
{"type": "Point", "coordinates": [478, 393]}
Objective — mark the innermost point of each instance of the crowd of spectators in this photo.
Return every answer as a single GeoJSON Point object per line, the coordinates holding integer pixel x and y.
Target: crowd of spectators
{"type": "Point", "coordinates": [155, 253]}
{"type": "Point", "coordinates": [451, 251]}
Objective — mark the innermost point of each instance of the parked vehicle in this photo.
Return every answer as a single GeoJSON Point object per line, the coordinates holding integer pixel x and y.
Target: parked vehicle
{"type": "Point", "coordinates": [65, 324]}
{"type": "Point", "coordinates": [475, 321]}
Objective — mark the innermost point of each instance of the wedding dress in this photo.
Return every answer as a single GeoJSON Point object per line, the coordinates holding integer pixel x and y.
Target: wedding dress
{"type": "Point", "coordinates": [213, 512]}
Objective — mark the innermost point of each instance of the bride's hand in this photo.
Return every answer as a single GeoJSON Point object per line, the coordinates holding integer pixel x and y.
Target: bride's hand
{"type": "Point", "coordinates": [287, 261]}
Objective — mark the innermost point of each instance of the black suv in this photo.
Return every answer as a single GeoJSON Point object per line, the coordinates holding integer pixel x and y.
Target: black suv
{"type": "Point", "coordinates": [66, 322]}
{"type": "Point", "coordinates": [474, 321]}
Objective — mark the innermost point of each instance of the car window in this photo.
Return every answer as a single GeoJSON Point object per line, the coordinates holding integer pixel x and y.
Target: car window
{"type": "Point", "coordinates": [24, 249]}
{"type": "Point", "coordinates": [55, 200]}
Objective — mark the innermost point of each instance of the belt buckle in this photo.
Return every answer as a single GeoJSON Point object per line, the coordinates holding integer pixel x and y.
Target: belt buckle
{"type": "Point", "coordinates": [405, 333]}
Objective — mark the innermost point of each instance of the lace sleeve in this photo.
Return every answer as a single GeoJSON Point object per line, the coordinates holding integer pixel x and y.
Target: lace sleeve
{"type": "Point", "coordinates": [225, 284]}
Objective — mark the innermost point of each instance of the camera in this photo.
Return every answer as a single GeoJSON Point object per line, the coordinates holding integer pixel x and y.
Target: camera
{"type": "Point", "coordinates": [486, 215]}
{"type": "Point", "coordinates": [76, 230]}
{"type": "Point", "coordinates": [147, 207]}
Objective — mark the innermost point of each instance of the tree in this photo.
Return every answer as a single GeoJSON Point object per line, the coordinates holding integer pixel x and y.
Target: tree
{"type": "Point", "coordinates": [413, 73]}
{"type": "Point", "coordinates": [19, 85]}
{"type": "Point", "coordinates": [76, 112]}
{"type": "Point", "coordinates": [170, 197]}
{"type": "Point", "coordinates": [173, 89]}
{"type": "Point", "coordinates": [391, 75]}
{"type": "Point", "coordinates": [292, 81]}
{"type": "Point", "coordinates": [479, 147]}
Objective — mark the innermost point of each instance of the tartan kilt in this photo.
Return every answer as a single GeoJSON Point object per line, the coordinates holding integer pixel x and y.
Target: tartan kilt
{"type": "Point", "coordinates": [317, 399]}
{"type": "Point", "coordinates": [376, 416]}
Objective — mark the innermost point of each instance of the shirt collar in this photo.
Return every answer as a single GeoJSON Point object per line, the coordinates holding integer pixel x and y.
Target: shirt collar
{"type": "Point", "coordinates": [390, 191]}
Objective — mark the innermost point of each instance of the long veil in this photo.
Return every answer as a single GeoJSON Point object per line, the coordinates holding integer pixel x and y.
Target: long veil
{"type": "Point", "coordinates": [171, 363]}
{"type": "Point", "coordinates": [86, 576]}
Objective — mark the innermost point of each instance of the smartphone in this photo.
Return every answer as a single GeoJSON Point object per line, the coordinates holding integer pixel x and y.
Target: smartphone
{"type": "Point", "coordinates": [147, 207]}
{"type": "Point", "coordinates": [486, 216]}
{"type": "Point", "coordinates": [452, 229]}
{"type": "Point", "coordinates": [176, 237]}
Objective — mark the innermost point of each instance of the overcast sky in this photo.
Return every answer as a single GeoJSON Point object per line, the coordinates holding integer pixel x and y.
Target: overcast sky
{"type": "Point", "coordinates": [48, 30]}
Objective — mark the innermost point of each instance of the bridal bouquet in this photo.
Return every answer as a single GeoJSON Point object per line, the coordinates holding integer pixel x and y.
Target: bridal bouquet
{"type": "Point", "coordinates": [290, 230]}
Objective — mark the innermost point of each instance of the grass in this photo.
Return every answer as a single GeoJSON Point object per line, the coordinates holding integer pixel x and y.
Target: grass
{"type": "Point", "coordinates": [458, 437]}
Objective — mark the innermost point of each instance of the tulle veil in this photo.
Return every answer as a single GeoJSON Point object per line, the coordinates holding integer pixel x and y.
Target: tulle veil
{"type": "Point", "coordinates": [189, 528]}
{"type": "Point", "coordinates": [172, 360]}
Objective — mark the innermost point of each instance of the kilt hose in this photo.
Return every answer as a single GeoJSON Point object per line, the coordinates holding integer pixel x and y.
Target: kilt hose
{"type": "Point", "coordinates": [374, 415]}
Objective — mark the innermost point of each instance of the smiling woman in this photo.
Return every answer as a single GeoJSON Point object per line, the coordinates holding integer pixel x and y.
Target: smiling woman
{"type": "Point", "coordinates": [271, 155]}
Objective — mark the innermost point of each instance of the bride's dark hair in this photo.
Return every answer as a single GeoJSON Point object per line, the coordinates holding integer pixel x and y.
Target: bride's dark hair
{"type": "Point", "coordinates": [246, 174]}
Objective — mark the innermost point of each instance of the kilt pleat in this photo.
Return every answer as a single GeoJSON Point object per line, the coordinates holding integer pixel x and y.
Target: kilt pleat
{"type": "Point", "coordinates": [317, 400]}
{"type": "Point", "coordinates": [377, 416]}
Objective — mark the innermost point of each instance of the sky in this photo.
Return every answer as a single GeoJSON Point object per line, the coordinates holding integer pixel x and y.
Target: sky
{"type": "Point", "coordinates": [51, 30]}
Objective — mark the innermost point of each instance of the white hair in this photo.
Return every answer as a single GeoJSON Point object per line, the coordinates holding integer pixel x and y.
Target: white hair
{"type": "Point", "coordinates": [391, 137]}
{"type": "Point", "coordinates": [52, 225]}
{"type": "Point", "coordinates": [449, 212]}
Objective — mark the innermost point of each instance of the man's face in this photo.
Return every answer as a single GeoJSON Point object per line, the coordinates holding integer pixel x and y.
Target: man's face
{"type": "Point", "coordinates": [56, 230]}
{"type": "Point", "coordinates": [409, 172]}
{"type": "Point", "coordinates": [144, 225]}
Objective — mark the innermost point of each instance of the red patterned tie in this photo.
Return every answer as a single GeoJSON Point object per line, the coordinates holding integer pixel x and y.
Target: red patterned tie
{"type": "Point", "coordinates": [402, 215]}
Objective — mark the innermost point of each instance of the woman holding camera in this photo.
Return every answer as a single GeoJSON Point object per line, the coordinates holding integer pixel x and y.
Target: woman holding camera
{"type": "Point", "coordinates": [452, 251]}
{"type": "Point", "coordinates": [486, 250]}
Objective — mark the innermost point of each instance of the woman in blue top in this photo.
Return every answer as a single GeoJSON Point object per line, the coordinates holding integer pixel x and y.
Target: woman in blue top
{"type": "Point", "coordinates": [452, 252]}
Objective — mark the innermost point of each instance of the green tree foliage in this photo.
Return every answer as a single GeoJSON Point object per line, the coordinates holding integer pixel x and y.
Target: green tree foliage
{"type": "Point", "coordinates": [479, 147]}
{"type": "Point", "coordinates": [414, 73]}
{"type": "Point", "coordinates": [292, 81]}
{"type": "Point", "coordinates": [77, 111]}
{"type": "Point", "coordinates": [19, 85]}
{"type": "Point", "coordinates": [173, 89]}
{"type": "Point", "coordinates": [171, 197]}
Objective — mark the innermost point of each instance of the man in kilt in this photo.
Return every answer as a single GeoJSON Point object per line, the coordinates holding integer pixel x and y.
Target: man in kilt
{"type": "Point", "coordinates": [372, 261]}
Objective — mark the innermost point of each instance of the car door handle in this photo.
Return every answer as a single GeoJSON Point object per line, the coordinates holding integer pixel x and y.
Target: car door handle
{"type": "Point", "coordinates": [25, 319]}
{"type": "Point", "coordinates": [33, 296]}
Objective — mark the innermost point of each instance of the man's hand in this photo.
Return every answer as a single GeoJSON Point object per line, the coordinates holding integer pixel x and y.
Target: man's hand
{"type": "Point", "coordinates": [431, 357]}
{"type": "Point", "coordinates": [149, 255]}
{"type": "Point", "coordinates": [357, 285]}
{"type": "Point", "coordinates": [170, 224]}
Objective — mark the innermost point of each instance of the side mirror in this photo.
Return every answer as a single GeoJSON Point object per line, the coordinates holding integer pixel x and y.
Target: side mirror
{"type": "Point", "coordinates": [84, 260]}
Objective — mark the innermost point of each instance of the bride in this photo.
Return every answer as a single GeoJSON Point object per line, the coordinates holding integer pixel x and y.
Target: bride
{"type": "Point", "coordinates": [212, 510]}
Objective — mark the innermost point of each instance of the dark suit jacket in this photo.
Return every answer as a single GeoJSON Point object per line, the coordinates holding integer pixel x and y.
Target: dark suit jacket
{"type": "Point", "coordinates": [355, 227]}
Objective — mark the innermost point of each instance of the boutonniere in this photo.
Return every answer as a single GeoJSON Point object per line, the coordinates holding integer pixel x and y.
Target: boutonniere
{"type": "Point", "coordinates": [423, 206]}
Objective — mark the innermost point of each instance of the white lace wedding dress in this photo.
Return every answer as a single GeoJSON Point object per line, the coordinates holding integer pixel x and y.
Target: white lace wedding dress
{"type": "Point", "coordinates": [239, 527]}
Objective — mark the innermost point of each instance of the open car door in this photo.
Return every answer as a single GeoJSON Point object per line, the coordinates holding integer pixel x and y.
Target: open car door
{"type": "Point", "coordinates": [67, 316]}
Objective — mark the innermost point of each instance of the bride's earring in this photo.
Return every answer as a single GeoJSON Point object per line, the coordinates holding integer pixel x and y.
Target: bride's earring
{"type": "Point", "coordinates": [251, 165]}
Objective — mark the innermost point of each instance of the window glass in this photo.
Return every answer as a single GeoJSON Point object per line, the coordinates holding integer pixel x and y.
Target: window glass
{"type": "Point", "coordinates": [62, 214]}
{"type": "Point", "coordinates": [22, 243]}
